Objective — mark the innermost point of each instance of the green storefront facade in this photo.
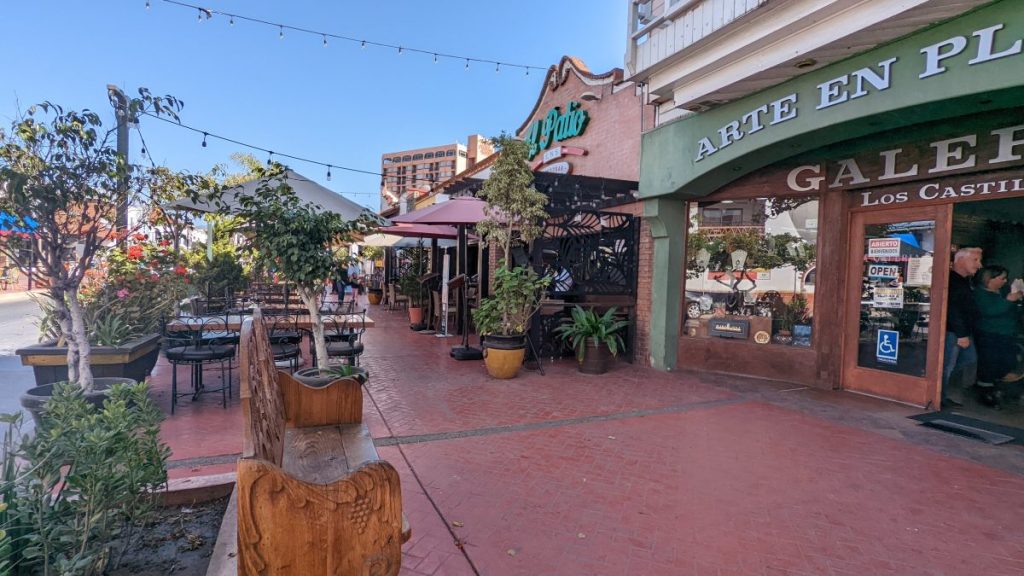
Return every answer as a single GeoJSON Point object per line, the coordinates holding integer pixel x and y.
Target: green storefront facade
{"type": "Point", "coordinates": [900, 121]}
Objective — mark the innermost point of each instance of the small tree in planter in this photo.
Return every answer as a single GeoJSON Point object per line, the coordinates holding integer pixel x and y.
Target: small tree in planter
{"type": "Point", "coordinates": [298, 240]}
{"type": "Point", "coordinates": [61, 177]}
{"type": "Point", "coordinates": [515, 213]}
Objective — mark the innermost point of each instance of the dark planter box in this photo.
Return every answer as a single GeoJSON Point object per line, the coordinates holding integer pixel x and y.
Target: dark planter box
{"type": "Point", "coordinates": [133, 359]}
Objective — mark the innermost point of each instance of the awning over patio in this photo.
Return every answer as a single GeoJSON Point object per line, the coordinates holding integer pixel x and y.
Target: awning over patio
{"type": "Point", "coordinates": [307, 191]}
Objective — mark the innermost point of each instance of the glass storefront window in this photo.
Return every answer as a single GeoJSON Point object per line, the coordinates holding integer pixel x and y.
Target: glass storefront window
{"type": "Point", "coordinates": [747, 264]}
{"type": "Point", "coordinates": [895, 301]}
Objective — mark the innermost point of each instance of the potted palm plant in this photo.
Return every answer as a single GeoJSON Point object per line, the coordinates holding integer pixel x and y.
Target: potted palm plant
{"type": "Point", "coordinates": [593, 337]}
{"type": "Point", "coordinates": [515, 213]}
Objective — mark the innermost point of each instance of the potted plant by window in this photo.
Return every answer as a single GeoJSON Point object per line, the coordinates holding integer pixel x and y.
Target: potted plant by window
{"type": "Point", "coordinates": [793, 313]}
{"type": "Point", "coordinates": [515, 213]}
{"type": "Point", "coordinates": [593, 336]}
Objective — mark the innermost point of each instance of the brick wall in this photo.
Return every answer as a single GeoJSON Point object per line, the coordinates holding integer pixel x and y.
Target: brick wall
{"type": "Point", "coordinates": [612, 135]}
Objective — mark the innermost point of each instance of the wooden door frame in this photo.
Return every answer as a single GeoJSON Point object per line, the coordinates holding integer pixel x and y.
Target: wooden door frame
{"type": "Point", "coordinates": [920, 391]}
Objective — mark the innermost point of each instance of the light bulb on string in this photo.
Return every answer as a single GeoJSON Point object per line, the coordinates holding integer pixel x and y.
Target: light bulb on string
{"type": "Point", "coordinates": [527, 70]}
{"type": "Point", "coordinates": [328, 172]}
{"type": "Point", "coordinates": [497, 67]}
{"type": "Point", "coordinates": [400, 50]}
{"type": "Point", "coordinates": [200, 17]}
{"type": "Point", "coordinates": [280, 33]}
{"type": "Point", "coordinates": [467, 63]}
{"type": "Point", "coordinates": [270, 157]}
{"type": "Point", "coordinates": [147, 5]}
{"type": "Point", "coordinates": [204, 139]}
{"type": "Point", "coordinates": [362, 44]}
{"type": "Point", "coordinates": [435, 58]}
{"type": "Point", "coordinates": [231, 21]}
{"type": "Point", "coordinates": [325, 40]}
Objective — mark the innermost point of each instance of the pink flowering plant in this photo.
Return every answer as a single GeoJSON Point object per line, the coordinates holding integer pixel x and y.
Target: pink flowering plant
{"type": "Point", "coordinates": [141, 282]}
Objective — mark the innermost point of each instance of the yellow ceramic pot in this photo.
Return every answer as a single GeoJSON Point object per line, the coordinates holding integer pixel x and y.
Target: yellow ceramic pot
{"type": "Point", "coordinates": [503, 364]}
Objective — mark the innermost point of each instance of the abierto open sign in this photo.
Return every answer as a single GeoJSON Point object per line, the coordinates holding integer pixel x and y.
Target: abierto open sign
{"type": "Point", "coordinates": [883, 247]}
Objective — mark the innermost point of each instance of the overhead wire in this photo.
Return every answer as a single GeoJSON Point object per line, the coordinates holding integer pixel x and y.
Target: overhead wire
{"type": "Point", "coordinates": [209, 13]}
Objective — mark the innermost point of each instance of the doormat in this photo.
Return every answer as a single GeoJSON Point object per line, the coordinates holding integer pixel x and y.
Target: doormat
{"type": "Point", "coordinates": [954, 423]}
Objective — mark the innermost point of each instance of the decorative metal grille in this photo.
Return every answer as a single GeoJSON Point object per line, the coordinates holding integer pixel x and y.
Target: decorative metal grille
{"type": "Point", "coordinates": [588, 253]}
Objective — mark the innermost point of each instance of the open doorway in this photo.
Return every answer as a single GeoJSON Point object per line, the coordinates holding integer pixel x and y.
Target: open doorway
{"type": "Point", "coordinates": [993, 392]}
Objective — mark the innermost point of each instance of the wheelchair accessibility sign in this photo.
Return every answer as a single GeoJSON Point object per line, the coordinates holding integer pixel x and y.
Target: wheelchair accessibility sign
{"type": "Point", "coordinates": [887, 347]}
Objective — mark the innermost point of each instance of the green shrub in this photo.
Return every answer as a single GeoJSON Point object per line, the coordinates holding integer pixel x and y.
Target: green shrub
{"type": "Point", "coordinates": [86, 483]}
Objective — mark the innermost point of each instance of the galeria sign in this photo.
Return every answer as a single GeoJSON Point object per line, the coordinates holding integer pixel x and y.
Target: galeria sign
{"type": "Point", "coordinates": [556, 127]}
{"type": "Point", "coordinates": [984, 46]}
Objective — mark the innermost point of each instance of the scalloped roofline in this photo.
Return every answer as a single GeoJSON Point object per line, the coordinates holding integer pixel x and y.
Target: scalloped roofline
{"type": "Point", "coordinates": [559, 73]}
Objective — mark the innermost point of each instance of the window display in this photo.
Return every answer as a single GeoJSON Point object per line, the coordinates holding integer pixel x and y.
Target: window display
{"type": "Point", "coordinates": [747, 264]}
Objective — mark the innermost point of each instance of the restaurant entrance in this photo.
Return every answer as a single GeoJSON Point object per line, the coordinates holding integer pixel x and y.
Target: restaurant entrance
{"type": "Point", "coordinates": [897, 278]}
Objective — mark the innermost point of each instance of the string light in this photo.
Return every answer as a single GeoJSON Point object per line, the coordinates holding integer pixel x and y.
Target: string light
{"type": "Point", "coordinates": [401, 49]}
{"type": "Point", "coordinates": [147, 5]}
{"type": "Point", "coordinates": [204, 139]}
{"type": "Point", "coordinates": [270, 153]}
{"type": "Point", "coordinates": [270, 157]}
{"type": "Point", "coordinates": [328, 172]}
{"type": "Point", "coordinates": [497, 68]}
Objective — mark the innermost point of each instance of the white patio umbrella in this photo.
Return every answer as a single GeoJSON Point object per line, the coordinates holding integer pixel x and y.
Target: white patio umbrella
{"type": "Point", "coordinates": [307, 191]}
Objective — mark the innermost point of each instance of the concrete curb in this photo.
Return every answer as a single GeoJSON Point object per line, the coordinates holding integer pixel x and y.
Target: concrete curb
{"type": "Point", "coordinates": [188, 491]}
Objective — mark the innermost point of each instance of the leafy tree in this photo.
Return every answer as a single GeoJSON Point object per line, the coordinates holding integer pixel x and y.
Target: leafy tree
{"type": "Point", "coordinates": [297, 240]}
{"type": "Point", "coordinates": [515, 209]}
{"type": "Point", "coordinates": [61, 178]}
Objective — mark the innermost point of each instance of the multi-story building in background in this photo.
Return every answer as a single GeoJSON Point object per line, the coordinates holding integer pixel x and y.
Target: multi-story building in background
{"type": "Point", "coordinates": [410, 174]}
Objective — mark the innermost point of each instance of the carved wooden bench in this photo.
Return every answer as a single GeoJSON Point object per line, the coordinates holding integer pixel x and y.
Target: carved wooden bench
{"type": "Point", "coordinates": [313, 496]}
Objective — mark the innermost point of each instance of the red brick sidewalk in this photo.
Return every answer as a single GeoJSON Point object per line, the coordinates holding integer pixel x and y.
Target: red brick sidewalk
{"type": "Point", "coordinates": [641, 472]}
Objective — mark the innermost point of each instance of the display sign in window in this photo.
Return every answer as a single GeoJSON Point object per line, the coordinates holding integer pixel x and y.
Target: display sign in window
{"type": "Point", "coordinates": [895, 302]}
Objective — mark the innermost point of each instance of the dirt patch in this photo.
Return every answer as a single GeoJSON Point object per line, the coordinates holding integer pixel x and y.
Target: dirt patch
{"type": "Point", "coordinates": [179, 541]}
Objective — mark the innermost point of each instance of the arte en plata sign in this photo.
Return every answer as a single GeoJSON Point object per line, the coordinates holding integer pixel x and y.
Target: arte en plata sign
{"type": "Point", "coordinates": [729, 328]}
{"type": "Point", "coordinates": [984, 45]}
{"type": "Point", "coordinates": [556, 127]}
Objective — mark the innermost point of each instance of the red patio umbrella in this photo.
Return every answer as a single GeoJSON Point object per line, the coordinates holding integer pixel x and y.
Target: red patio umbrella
{"type": "Point", "coordinates": [462, 211]}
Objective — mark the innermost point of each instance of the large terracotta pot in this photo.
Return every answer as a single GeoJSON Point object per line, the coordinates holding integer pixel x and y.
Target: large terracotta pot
{"type": "Point", "coordinates": [415, 316]}
{"type": "Point", "coordinates": [503, 355]}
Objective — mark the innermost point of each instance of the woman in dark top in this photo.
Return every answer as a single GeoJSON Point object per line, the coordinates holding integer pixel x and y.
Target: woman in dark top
{"type": "Point", "coordinates": [996, 327]}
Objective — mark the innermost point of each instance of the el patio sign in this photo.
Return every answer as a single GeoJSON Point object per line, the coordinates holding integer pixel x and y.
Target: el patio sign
{"type": "Point", "coordinates": [983, 45]}
{"type": "Point", "coordinates": [556, 127]}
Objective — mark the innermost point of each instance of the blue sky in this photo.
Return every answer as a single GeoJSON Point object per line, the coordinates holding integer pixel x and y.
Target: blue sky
{"type": "Point", "coordinates": [340, 104]}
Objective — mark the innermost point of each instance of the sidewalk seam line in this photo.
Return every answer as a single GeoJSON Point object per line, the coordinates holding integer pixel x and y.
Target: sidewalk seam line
{"type": "Point", "coordinates": [508, 428]}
